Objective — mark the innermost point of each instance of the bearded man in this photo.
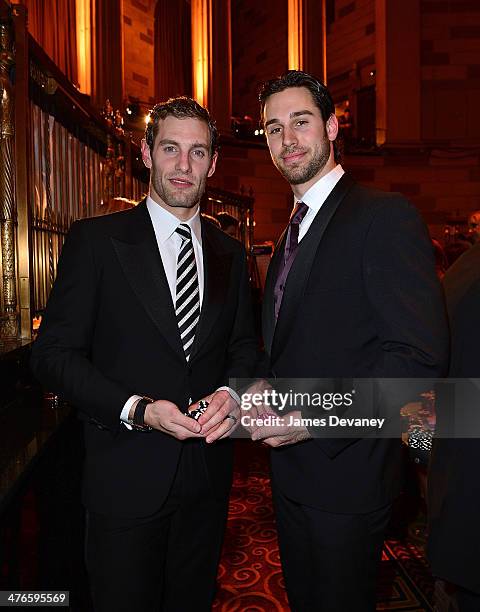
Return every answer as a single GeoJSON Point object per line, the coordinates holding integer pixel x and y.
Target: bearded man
{"type": "Point", "coordinates": [351, 293]}
{"type": "Point", "coordinates": [151, 310]}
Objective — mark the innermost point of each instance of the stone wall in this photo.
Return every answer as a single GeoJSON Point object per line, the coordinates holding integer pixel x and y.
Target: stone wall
{"type": "Point", "coordinates": [351, 47]}
{"type": "Point", "coordinates": [450, 56]}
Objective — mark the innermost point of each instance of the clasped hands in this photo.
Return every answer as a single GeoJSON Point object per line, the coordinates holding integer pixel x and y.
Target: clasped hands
{"type": "Point", "coordinates": [214, 424]}
{"type": "Point", "coordinates": [281, 433]}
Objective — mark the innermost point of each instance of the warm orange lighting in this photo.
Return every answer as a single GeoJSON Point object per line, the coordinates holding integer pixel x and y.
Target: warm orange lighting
{"type": "Point", "coordinates": [295, 34]}
{"type": "Point", "coordinates": [324, 40]}
{"type": "Point", "coordinates": [201, 49]}
{"type": "Point", "coordinates": [84, 46]}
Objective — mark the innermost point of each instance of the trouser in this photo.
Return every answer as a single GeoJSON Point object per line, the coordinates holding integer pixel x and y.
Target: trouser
{"type": "Point", "coordinates": [330, 561]}
{"type": "Point", "coordinates": [167, 561]}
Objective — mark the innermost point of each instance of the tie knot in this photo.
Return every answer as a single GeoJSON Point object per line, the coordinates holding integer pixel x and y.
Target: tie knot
{"type": "Point", "coordinates": [184, 230]}
{"type": "Point", "coordinates": [299, 213]}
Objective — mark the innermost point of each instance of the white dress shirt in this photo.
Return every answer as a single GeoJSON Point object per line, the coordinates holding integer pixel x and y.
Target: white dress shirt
{"type": "Point", "coordinates": [316, 196]}
{"type": "Point", "coordinates": [169, 244]}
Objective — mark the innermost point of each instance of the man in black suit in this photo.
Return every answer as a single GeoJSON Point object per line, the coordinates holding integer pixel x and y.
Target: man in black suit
{"type": "Point", "coordinates": [351, 292]}
{"type": "Point", "coordinates": [453, 483]}
{"type": "Point", "coordinates": [150, 310]}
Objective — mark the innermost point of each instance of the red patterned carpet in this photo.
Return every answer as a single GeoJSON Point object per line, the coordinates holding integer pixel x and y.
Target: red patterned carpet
{"type": "Point", "coordinates": [41, 541]}
{"type": "Point", "coordinates": [250, 577]}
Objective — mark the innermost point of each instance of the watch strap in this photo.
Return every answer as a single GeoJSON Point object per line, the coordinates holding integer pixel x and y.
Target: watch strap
{"type": "Point", "coordinates": [139, 414]}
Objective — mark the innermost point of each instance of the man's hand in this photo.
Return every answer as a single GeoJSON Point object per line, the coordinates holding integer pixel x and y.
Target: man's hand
{"type": "Point", "coordinates": [216, 421]}
{"type": "Point", "coordinates": [166, 417]}
{"type": "Point", "coordinates": [282, 435]}
{"type": "Point", "coordinates": [256, 410]}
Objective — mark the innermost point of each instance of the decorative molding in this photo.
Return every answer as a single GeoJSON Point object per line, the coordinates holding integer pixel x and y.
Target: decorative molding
{"type": "Point", "coordinates": [9, 318]}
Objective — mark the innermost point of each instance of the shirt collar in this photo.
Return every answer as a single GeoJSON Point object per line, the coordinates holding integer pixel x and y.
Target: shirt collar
{"type": "Point", "coordinates": [165, 224]}
{"type": "Point", "coordinates": [319, 191]}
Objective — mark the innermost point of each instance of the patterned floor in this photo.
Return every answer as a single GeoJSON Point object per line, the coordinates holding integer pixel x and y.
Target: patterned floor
{"type": "Point", "coordinates": [39, 545]}
{"type": "Point", "coordinates": [250, 577]}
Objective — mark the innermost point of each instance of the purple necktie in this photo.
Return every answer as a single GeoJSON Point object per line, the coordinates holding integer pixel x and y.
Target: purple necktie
{"type": "Point", "coordinates": [290, 252]}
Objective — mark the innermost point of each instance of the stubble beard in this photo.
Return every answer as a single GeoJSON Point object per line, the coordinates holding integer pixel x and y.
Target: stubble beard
{"type": "Point", "coordinates": [307, 171]}
{"type": "Point", "coordinates": [187, 198]}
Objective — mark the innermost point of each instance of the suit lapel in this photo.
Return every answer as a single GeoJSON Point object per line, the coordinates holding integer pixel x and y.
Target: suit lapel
{"type": "Point", "coordinates": [140, 260]}
{"type": "Point", "coordinates": [300, 270]}
{"type": "Point", "coordinates": [216, 266]}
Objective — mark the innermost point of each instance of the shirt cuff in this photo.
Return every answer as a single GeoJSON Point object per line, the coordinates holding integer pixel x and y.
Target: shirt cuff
{"type": "Point", "coordinates": [126, 409]}
{"type": "Point", "coordinates": [232, 393]}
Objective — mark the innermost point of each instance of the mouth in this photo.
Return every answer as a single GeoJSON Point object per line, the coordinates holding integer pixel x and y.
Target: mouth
{"type": "Point", "coordinates": [180, 183]}
{"type": "Point", "coordinates": [291, 158]}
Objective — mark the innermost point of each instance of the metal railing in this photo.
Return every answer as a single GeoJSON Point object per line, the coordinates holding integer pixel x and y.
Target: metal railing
{"type": "Point", "coordinates": [239, 206]}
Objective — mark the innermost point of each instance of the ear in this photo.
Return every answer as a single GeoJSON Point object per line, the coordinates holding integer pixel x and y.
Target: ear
{"type": "Point", "coordinates": [213, 165]}
{"type": "Point", "coordinates": [331, 127]}
{"type": "Point", "coordinates": [147, 160]}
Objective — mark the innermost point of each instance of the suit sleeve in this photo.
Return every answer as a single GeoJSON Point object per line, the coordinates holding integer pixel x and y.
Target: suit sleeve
{"type": "Point", "coordinates": [61, 358]}
{"type": "Point", "coordinates": [405, 295]}
{"type": "Point", "coordinates": [242, 349]}
{"type": "Point", "coordinates": [409, 314]}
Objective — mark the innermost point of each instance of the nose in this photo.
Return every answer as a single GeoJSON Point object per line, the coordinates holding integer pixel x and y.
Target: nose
{"type": "Point", "coordinates": [289, 137]}
{"type": "Point", "coordinates": [183, 162]}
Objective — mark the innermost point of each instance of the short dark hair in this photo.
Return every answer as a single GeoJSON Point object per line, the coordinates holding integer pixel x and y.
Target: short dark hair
{"type": "Point", "coordinates": [180, 107]}
{"type": "Point", "coordinates": [297, 78]}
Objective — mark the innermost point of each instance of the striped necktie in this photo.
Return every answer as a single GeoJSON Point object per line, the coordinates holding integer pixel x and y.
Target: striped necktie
{"type": "Point", "coordinates": [187, 300]}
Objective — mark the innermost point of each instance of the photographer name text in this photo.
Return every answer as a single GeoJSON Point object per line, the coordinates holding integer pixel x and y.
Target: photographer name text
{"type": "Point", "coordinates": [295, 421]}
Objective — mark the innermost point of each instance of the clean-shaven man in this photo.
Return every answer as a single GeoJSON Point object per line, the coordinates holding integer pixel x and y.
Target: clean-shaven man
{"type": "Point", "coordinates": [351, 292]}
{"type": "Point", "coordinates": [151, 310]}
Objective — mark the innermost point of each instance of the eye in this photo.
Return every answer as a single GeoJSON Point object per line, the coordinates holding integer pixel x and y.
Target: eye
{"type": "Point", "coordinates": [274, 130]}
{"type": "Point", "coordinates": [170, 149]}
{"type": "Point", "coordinates": [301, 122]}
{"type": "Point", "coordinates": [200, 153]}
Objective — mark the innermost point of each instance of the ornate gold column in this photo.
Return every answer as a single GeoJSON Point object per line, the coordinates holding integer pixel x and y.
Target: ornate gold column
{"type": "Point", "coordinates": [307, 37]}
{"type": "Point", "coordinates": [107, 53]}
{"type": "Point", "coordinates": [295, 35]}
{"type": "Point", "coordinates": [22, 157]}
{"type": "Point", "coordinates": [84, 45]}
{"type": "Point", "coordinates": [9, 318]}
{"type": "Point", "coordinates": [220, 88]}
{"type": "Point", "coordinates": [173, 49]}
{"type": "Point", "coordinates": [201, 28]}
{"type": "Point", "coordinates": [212, 58]}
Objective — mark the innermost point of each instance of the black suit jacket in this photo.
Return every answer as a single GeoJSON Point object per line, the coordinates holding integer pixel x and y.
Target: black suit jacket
{"type": "Point", "coordinates": [361, 300]}
{"type": "Point", "coordinates": [453, 482]}
{"type": "Point", "coordinates": [109, 332]}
